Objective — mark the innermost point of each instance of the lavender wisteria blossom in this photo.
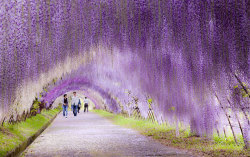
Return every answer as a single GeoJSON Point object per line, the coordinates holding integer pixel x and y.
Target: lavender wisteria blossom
{"type": "Point", "coordinates": [187, 55]}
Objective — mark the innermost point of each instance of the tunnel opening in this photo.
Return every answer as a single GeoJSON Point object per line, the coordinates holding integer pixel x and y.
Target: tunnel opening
{"type": "Point", "coordinates": [81, 95]}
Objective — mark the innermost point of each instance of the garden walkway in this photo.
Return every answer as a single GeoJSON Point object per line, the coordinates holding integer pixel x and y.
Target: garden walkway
{"type": "Point", "coordinates": [91, 135]}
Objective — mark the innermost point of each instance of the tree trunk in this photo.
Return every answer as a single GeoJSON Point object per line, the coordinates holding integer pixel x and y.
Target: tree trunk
{"type": "Point", "coordinates": [241, 129]}
{"type": "Point", "coordinates": [2, 122]}
{"type": "Point", "coordinates": [224, 130]}
{"type": "Point", "coordinates": [217, 130]}
{"type": "Point", "coordinates": [193, 127]}
{"type": "Point", "coordinates": [162, 120]}
{"type": "Point", "coordinates": [177, 133]}
{"type": "Point", "coordinates": [228, 119]}
{"type": "Point", "coordinates": [238, 79]}
{"type": "Point", "coordinates": [243, 135]}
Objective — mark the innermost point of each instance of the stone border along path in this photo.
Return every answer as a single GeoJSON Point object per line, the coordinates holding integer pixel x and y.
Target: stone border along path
{"type": "Point", "coordinates": [89, 135]}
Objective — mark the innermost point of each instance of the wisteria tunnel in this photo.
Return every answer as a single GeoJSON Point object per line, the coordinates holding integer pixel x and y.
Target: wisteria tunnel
{"type": "Point", "coordinates": [186, 60]}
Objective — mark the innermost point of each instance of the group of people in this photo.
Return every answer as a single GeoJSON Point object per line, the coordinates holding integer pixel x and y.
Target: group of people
{"type": "Point", "coordinates": [75, 105]}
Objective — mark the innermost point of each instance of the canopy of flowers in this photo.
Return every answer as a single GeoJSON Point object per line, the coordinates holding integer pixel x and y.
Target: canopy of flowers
{"type": "Point", "coordinates": [188, 59]}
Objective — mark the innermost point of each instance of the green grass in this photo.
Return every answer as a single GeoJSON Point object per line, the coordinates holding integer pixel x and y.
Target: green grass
{"type": "Point", "coordinates": [12, 135]}
{"type": "Point", "coordinates": [166, 135]}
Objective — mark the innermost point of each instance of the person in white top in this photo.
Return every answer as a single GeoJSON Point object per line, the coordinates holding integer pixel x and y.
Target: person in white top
{"type": "Point", "coordinates": [74, 103]}
{"type": "Point", "coordinates": [86, 104]}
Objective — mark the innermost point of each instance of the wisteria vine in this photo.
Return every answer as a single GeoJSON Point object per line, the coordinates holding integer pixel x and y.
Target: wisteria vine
{"type": "Point", "coordinates": [190, 57]}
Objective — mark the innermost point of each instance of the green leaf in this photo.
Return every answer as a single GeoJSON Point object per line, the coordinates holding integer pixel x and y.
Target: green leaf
{"type": "Point", "coordinates": [236, 86]}
{"type": "Point", "coordinates": [172, 108]}
{"type": "Point", "coordinates": [150, 101]}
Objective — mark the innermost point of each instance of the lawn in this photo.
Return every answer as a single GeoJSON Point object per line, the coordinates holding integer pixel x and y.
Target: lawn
{"type": "Point", "coordinates": [216, 147]}
{"type": "Point", "coordinates": [11, 136]}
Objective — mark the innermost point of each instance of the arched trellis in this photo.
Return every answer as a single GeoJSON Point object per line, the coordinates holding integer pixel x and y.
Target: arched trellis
{"type": "Point", "coordinates": [94, 98]}
{"type": "Point", "coordinates": [79, 84]}
{"type": "Point", "coordinates": [181, 53]}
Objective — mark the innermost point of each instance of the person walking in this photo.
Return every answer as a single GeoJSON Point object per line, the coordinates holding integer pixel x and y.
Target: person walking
{"type": "Point", "coordinates": [79, 105]}
{"type": "Point", "coordinates": [65, 106]}
{"type": "Point", "coordinates": [86, 104]}
{"type": "Point", "coordinates": [74, 103]}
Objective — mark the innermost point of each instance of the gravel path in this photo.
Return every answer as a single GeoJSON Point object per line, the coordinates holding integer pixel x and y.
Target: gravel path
{"type": "Point", "coordinates": [91, 135]}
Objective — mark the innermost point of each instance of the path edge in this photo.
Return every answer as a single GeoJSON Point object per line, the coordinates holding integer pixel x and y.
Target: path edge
{"type": "Point", "coordinates": [19, 149]}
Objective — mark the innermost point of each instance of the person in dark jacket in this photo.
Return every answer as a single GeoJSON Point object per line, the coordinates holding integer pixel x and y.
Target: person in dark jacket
{"type": "Point", "coordinates": [79, 105]}
{"type": "Point", "coordinates": [65, 106]}
{"type": "Point", "coordinates": [86, 104]}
